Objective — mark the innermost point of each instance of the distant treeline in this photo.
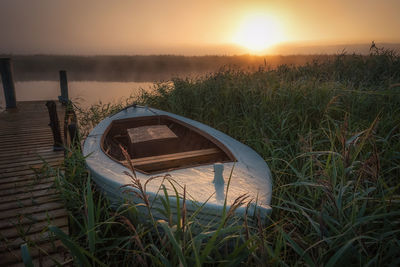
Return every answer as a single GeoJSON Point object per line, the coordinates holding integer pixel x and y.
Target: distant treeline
{"type": "Point", "coordinates": [141, 68]}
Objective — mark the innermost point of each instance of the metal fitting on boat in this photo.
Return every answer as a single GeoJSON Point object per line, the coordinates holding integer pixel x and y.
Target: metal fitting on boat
{"type": "Point", "coordinates": [218, 170]}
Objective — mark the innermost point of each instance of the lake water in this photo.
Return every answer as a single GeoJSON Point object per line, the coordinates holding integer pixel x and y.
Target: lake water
{"type": "Point", "coordinates": [83, 93]}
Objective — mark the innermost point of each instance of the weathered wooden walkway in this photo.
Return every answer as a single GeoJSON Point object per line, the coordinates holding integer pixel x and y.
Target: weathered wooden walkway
{"type": "Point", "coordinates": [28, 199]}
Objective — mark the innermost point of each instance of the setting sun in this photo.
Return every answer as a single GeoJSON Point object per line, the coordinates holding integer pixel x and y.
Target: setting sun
{"type": "Point", "coordinates": [258, 33]}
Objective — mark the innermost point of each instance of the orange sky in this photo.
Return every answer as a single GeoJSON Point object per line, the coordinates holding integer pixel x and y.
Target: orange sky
{"type": "Point", "coordinates": [186, 27]}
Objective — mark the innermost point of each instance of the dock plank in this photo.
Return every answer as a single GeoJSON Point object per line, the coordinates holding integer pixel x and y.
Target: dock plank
{"type": "Point", "coordinates": [28, 200]}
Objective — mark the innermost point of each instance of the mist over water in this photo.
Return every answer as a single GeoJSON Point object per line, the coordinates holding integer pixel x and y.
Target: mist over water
{"type": "Point", "coordinates": [111, 78]}
{"type": "Point", "coordinates": [83, 93]}
{"type": "Point", "coordinates": [139, 68]}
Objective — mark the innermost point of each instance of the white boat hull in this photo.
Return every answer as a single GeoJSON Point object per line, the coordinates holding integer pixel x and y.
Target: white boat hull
{"type": "Point", "coordinates": [249, 175]}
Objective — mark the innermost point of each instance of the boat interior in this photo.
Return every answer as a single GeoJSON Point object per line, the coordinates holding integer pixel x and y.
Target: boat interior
{"type": "Point", "coordinates": [161, 143]}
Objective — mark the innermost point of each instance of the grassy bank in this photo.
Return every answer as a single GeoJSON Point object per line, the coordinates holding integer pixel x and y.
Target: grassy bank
{"type": "Point", "coordinates": [330, 133]}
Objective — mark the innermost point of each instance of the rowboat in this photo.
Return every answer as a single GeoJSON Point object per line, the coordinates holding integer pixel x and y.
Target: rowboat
{"type": "Point", "coordinates": [173, 155]}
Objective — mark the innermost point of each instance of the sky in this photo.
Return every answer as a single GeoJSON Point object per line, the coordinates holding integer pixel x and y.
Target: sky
{"type": "Point", "coordinates": [88, 27]}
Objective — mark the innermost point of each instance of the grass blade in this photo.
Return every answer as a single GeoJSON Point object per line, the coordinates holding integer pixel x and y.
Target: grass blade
{"type": "Point", "coordinates": [90, 217]}
{"type": "Point", "coordinates": [26, 256]}
{"type": "Point", "coordinates": [177, 248]}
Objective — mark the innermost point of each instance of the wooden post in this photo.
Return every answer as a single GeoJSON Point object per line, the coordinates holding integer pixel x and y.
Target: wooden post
{"type": "Point", "coordinates": [55, 126]}
{"type": "Point", "coordinates": [64, 87]}
{"type": "Point", "coordinates": [8, 83]}
{"type": "Point", "coordinates": [73, 133]}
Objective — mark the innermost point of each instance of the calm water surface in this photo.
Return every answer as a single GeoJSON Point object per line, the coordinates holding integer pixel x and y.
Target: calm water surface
{"type": "Point", "coordinates": [82, 93]}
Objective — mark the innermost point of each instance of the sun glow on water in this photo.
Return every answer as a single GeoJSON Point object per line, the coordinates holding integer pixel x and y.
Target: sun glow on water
{"type": "Point", "coordinates": [258, 33]}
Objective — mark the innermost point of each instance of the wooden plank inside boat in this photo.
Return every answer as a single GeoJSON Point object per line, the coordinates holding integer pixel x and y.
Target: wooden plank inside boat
{"type": "Point", "coordinates": [176, 160]}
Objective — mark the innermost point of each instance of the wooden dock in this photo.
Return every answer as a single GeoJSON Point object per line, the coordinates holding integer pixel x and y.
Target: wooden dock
{"type": "Point", "coordinates": [28, 199]}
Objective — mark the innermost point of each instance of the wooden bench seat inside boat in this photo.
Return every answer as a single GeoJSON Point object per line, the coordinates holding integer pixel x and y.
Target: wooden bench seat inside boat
{"type": "Point", "coordinates": [160, 143]}
{"type": "Point", "coordinates": [175, 160]}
